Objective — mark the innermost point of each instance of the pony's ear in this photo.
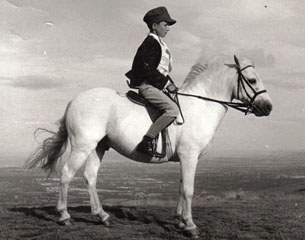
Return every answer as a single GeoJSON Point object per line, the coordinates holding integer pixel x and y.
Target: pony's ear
{"type": "Point", "coordinates": [231, 65]}
{"type": "Point", "coordinates": [236, 61]}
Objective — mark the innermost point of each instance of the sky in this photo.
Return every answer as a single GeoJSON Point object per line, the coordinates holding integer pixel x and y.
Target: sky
{"type": "Point", "coordinates": [51, 50]}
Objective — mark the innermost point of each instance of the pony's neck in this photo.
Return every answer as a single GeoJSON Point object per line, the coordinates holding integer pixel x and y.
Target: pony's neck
{"type": "Point", "coordinates": [216, 84]}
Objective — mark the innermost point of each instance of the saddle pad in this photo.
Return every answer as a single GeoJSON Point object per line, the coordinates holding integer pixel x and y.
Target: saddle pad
{"type": "Point", "coordinates": [136, 98]}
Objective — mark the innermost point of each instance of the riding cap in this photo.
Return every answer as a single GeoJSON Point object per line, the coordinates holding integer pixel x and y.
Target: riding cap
{"type": "Point", "coordinates": [157, 15]}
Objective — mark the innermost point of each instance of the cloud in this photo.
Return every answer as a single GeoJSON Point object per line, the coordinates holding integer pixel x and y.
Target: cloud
{"type": "Point", "coordinates": [35, 82]}
{"type": "Point", "coordinates": [6, 79]}
{"type": "Point", "coordinates": [186, 40]}
{"type": "Point", "coordinates": [33, 5]}
{"type": "Point", "coordinates": [259, 56]}
{"type": "Point", "coordinates": [290, 80]}
{"type": "Point", "coordinates": [25, 22]}
{"type": "Point", "coordinates": [249, 25]}
{"type": "Point", "coordinates": [15, 3]}
{"type": "Point", "coordinates": [18, 35]}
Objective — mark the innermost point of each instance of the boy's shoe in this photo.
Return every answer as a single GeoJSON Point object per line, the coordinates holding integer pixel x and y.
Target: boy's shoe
{"type": "Point", "coordinates": [146, 146]}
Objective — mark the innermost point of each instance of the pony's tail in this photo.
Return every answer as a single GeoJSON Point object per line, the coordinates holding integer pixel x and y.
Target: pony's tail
{"type": "Point", "coordinates": [51, 149]}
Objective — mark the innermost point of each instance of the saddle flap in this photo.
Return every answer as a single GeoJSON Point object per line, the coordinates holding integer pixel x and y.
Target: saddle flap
{"type": "Point", "coordinates": [136, 98]}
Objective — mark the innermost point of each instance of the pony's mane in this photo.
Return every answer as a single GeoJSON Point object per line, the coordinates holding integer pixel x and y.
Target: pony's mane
{"type": "Point", "coordinates": [196, 70]}
{"type": "Point", "coordinates": [203, 68]}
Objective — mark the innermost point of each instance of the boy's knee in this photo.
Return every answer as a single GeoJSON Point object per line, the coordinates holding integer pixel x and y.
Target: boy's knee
{"type": "Point", "coordinates": [176, 111]}
{"type": "Point", "coordinates": [173, 111]}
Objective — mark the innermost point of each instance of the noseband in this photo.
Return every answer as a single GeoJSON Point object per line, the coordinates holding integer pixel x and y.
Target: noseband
{"type": "Point", "coordinates": [242, 81]}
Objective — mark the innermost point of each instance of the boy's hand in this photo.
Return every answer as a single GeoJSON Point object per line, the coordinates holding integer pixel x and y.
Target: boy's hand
{"type": "Point", "coordinates": [171, 88]}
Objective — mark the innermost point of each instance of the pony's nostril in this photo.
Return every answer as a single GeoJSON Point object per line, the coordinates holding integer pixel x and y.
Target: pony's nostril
{"type": "Point", "coordinates": [268, 107]}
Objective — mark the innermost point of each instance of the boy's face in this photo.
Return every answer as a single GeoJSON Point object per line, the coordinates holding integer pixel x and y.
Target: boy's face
{"type": "Point", "coordinates": [161, 28]}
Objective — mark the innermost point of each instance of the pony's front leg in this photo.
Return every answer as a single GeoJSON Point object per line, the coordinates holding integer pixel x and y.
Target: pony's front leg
{"type": "Point", "coordinates": [90, 175]}
{"type": "Point", "coordinates": [188, 161]}
{"type": "Point", "coordinates": [180, 206]}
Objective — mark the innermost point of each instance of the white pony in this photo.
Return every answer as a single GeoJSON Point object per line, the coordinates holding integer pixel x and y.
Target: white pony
{"type": "Point", "coordinates": [99, 119]}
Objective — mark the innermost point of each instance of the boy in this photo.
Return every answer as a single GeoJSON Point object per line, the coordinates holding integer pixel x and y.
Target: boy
{"type": "Point", "coordinates": [149, 74]}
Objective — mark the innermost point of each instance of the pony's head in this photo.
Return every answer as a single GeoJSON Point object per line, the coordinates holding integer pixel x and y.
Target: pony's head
{"type": "Point", "coordinates": [250, 89]}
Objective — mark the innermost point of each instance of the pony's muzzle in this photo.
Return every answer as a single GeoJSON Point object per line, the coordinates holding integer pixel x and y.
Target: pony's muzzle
{"type": "Point", "coordinates": [268, 108]}
{"type": "Point", "coordinates": [262, 108]}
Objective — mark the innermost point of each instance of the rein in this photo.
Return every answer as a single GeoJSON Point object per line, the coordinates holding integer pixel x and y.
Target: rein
{"type": "Point", "coordinates": [243, 107]}
{"type": "Point", "coordinates": [242, 81]}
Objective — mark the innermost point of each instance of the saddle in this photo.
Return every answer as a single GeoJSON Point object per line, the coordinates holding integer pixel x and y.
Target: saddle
{"type": "Point", "coordinates": [165, 153]}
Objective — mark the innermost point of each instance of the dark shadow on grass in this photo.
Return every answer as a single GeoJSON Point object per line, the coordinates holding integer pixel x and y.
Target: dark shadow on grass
{"type": "Point", "coordinates": [41, 213]}
{"type": "Point", "coordinates": [119, 215]}
{"type": "Point", "coordinates": [140, 215]}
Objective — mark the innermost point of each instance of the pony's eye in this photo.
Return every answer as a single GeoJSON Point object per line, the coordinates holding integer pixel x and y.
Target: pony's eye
{"type": "Point", "coordinates": [252, 80]}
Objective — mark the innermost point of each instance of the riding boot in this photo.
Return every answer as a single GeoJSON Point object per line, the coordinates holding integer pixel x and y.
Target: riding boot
{"type": "Point", "coordinates": [146, 146]}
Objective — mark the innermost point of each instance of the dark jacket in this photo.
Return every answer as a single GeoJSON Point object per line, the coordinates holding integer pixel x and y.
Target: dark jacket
{"type": "Point", "coordinates": [145, 63]}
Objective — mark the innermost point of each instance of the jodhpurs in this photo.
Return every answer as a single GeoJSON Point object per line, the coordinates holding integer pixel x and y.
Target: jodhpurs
{"type": "Point", "coordinates": [168, 108]}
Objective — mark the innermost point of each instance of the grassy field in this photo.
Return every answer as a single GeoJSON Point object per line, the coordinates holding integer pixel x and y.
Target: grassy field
{"type": "Point", "coordinates": [235, 198]}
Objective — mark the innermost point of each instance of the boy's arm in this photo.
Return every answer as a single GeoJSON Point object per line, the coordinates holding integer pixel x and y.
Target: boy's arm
{"type": "Point", "coordinates": [151, 59]}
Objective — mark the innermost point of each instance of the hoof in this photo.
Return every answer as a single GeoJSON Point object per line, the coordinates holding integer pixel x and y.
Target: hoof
{"type": "Point", "coordinates": [65, 222]}
{"type": "Point", "coordinates": [181, 225]}
{"type": "Point", "coordinates": [104, 220]}
{"type": "Point", "coordinates": [106, 223]}
{"type": "Point", "coordinates": [192, 233]}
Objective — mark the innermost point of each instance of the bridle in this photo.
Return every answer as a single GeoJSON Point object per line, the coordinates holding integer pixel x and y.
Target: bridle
{"type": "Point", "coordinates": [242, 81]}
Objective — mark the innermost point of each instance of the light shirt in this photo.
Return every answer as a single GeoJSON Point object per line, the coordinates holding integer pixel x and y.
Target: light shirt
{"type": "Point", "coordinates": [165, 65]}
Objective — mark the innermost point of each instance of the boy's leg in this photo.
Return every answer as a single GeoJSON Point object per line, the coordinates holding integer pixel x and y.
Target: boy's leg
{"type": "Point", "coordinates": [161, 123]}
{"type": "Point", "coordinates": [169, 111]}
{"type": "Point", "coordinates": [164, 104]}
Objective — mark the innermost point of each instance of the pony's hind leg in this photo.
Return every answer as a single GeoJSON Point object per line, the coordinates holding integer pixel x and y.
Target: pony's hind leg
{"type": "Point", "coordinates": [90, 175]}
{"type": "Point", "coordinates": [76, 159]}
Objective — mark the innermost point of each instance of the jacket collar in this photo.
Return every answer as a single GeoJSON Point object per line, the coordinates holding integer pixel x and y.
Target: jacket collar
{"type": "Point", "coordinates": [155, 36]}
